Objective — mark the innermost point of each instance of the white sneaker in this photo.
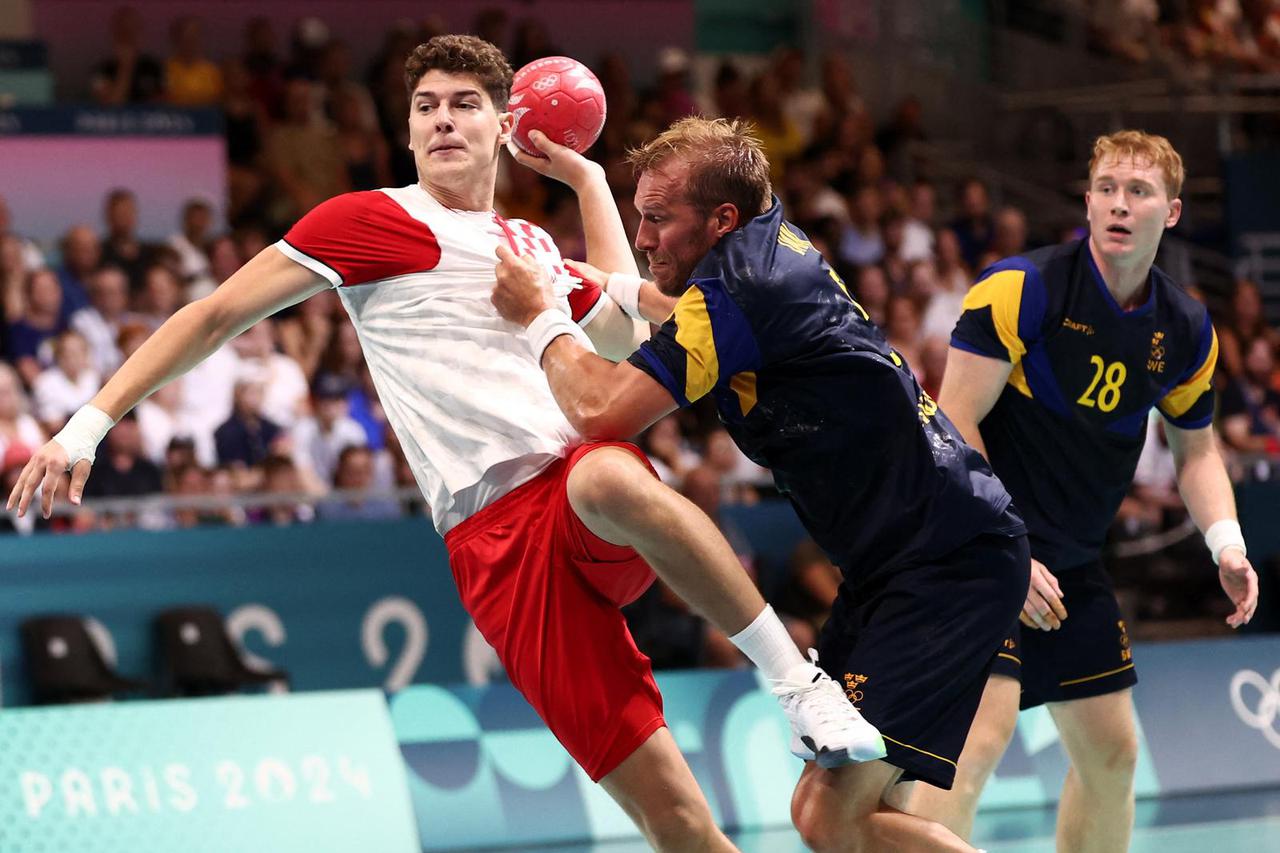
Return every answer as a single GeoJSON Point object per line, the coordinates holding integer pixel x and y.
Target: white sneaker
{"type": "Point", "coordinates": [825, 727]}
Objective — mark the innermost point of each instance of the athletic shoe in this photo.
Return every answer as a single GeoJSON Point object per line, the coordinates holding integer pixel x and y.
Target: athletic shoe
{"type": "Point", "coordinates": [825, 727]}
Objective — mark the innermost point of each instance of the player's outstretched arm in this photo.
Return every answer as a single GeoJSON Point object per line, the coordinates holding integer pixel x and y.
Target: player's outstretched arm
{"type": "Point", "coordinates": [1206, 490]}
{"type": "Point", "coordinates": [263, 286]}
{"type": "Point", "coordinates": [970, 387]}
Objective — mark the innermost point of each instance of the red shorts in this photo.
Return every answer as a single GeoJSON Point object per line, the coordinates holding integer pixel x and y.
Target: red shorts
{"type": "Point", "coordinates": [545, 592]}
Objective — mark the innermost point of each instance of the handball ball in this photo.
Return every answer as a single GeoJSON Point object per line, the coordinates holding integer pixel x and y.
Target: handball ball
{"type": "Point", "coordinates": [560, 97]}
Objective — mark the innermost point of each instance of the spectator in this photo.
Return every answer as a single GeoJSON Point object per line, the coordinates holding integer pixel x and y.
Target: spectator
{"type": "Point", "coordinates": [780, 137]}
{"type": "Point", "coordinates": [161, 296]}
{"type": "Point", "coordinates": [933, 364]}
{"type": "Point", "coordinates": [191, 242]}
{"type": "Point", "coordinates": [122, 470]}
{"type": "Point", "coordinates": [532, 41]}
{"type": "Point", "coordinates": [729, 97]}
{"type": "Point", "coordinates": [1009, 233]}
{"type": "Point", "coordinates": [801, 102]}
{"type": "Point", "coordinates": [306, 334]}
{"type": "Point", "coordinates": [1246, 323]}
{"type": "Point", "coordinates": [127, 76]}
{"type": "Point", "coordinates": [917, 230]}
{"type": "Point", "coordinates": [364, 150]}
{"type": "Point", "coordinates": [896, 139]}
{"type": "Point", "coordinates": [162, 422]}
{"type": "Point", "coordinates": [68, 384]}
{"type": "Point", "coordinates": [261, 62]}
{"type": "Point", "coordinates": [191, 79]}
{"type": "Point", "coordinates": [336, 85]}
{"type": "Point", "coordinates": [26, 338]}
{"type": "Point", "coordinates": [902, 328]}
{"type": "Point", "coordinates": [285, 387]}
{"type": "Point", "coordinates": [13, 284]}
{"type": "Point", "coordinates": [812, 582]}
{"type": "Point", "coordinates": [669, 453]}
{"type": "Point", "coordinates": [973, 227]}
{"type": "Point", "coordinates": [873, 293]}
{"type": "Point", "coordinates": [81, 255]}
{"type": "Point", "coordinates": [303, 155]}
{"type": "Point", "coordinates": [863, 243]}
{"type": "Point", "coordinates": [1250, 406]}
{"type": "Point", "coordinates": [244, 121]}
{"type": "Point", "coordinates": [671, 93]}
{"type": "Point", "coordinates": [121, 246]}
{"type": "Point", "coordinates": [281, 477]}
{"type": "Point", "coordinates": [99, 322]}
{"type": "Point", "coordinates": [189, 481]}
{"type": "Point", "coordinates": [953, 275]}
{"type": "Point", "coordinates": [19, 431]}
{"type": "Point", "coordinates": [317, 440]}
{"type": "Point", "coordinates": [247, 438]}
{"type": "Point", "coordinates": [28, 252]}
{"type": "Point", "coordinates": [355, 472]}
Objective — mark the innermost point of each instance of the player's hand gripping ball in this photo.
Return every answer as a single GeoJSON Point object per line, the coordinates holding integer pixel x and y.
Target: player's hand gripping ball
{"type": "Point", "coordinates": [560, 97]}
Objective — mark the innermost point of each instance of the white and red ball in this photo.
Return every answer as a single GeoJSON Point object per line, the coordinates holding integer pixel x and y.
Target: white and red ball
{"type": "Point", "coordinates": [560, 97]}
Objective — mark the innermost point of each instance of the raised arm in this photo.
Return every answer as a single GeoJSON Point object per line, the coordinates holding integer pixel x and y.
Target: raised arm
{"type": "Point", "coordinates": [261, 287]}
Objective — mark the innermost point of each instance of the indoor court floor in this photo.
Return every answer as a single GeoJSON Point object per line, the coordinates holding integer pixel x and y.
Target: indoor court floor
{"type": "Point", "coordinates": [1233, 822]}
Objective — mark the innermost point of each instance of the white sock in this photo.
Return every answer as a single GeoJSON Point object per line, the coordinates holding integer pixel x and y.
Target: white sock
{"type": "Point", "coordinates": [768, 645]}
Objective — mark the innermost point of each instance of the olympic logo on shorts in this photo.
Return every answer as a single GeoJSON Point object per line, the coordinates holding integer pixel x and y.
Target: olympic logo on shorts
{"type": "Point", "coordinates": [1263, 716]}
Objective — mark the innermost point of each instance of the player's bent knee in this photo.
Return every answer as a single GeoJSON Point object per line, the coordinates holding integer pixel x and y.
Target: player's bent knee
{"type": "Point", "coordinates": [605, 481]}
{"type": "Point", "coordinates": [1115, 757]}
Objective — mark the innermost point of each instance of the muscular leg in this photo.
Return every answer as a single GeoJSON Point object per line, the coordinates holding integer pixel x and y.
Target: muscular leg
{"type": "Point", "coordinates": [845, 810]}
{"type": "Point", "coordinates": [657, 790]}
{"type": "Point", "coordinates": [620, 501]}
{"type": "Point", "coordinates": [989, 736]}
{"type": "Point", "coordinates": [1096, 812]}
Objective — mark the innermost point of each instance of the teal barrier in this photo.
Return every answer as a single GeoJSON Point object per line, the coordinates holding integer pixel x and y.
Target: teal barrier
{"type": "Point", "coordinates": [336, 605]}
{"type": "Point", "coordinates": [484, 771]}
{"type": "Point", "coordinates": [290, 774]}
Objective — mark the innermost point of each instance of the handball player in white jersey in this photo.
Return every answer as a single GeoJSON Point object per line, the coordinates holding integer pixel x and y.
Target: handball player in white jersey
{"type": "Point", "coordinates": [547, 535]}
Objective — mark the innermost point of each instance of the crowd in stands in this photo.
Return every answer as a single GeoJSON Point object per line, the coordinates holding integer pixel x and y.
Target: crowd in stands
{"type": "Point", "coordinates": [288, 408]}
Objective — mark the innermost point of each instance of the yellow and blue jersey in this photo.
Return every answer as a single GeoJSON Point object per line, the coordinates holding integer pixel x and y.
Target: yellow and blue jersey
{"type": "Point", "coordinates": [808, 387]}
{"type": "Point", "coordinates": [1067, 430]}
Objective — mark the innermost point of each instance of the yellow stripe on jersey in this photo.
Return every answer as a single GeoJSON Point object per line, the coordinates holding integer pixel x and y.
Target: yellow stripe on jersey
{"type": "Point", "coordinates": [1178, 401]}
{"type": "Point", "coordinates": [693, 334]}
{"type": "Point", "coordinates": [793, 241]}
{"type": "Point", "coordinates": [1003, 292]}
{"type": "Point", "coordinates": [744, 385]}
{"type": "Point", "coordinates": [1018, 379]}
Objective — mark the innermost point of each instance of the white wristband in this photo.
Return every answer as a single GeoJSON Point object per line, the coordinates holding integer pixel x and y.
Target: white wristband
{"type": "Point", "coordinates": [81, 435]}
{"type": "Point", "coordinates": [1222, 535]}
{"type": "Point", "coordinates": [548, 326]}
{"type": "Point", "coordinates": [624, 289]}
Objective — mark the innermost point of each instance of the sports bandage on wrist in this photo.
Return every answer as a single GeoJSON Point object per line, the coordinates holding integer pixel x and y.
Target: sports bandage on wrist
{"type": "Point", "coordinates": [82, 434]}
{"type": "Point", "coordinates": [548, 326]}
{"type": "Point", "coordinates": [1222, 535]}
{"type": "Point", "coordinates": [624, 289]}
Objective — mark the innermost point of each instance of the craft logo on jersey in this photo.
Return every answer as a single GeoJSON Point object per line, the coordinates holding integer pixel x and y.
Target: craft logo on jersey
{"type": "Point", "coordinates": [1156, 362]}
{"type": "Point", "coordinates": [1068, 323]}
{"type": "Point", "coordinates": [853, 687]}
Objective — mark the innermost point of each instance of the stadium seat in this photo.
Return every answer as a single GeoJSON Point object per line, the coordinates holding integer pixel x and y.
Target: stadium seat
{"type": "Point", "coordinates": [198, 658]}
{"type": "Point", "coordinates": [64, 664]}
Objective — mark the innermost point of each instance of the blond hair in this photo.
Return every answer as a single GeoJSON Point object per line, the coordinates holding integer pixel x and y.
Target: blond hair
{"type": "Point", "coordinates": [1144, 149]}
{"type": "Point", "coordinates": [726, 163]}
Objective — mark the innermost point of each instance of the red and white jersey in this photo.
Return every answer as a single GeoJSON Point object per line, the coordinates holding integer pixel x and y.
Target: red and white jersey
{"type": "Point", "coordinates": [471, 407]}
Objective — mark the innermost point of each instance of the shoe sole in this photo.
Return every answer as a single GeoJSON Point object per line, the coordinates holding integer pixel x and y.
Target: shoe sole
{"type": "Point", "coordinates": [829, 759]}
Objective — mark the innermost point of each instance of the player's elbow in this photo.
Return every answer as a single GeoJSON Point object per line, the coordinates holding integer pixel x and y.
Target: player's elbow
{"type": "Point", "coordinates": [596, 418]}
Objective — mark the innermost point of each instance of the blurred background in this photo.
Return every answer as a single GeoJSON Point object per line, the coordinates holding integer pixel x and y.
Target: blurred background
{"type": "Point", "coordinates": [148, 150]}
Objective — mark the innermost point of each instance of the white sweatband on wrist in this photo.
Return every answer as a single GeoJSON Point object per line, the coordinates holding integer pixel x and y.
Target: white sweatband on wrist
{"type": "Point", "coordinates": [548, 326]}
{"type": "Point", "coordinates": [82, 434]}
{"type": "Point", "coordinates": [1222, 535]}
{"type": "Point", "coordinates": [624, 289]}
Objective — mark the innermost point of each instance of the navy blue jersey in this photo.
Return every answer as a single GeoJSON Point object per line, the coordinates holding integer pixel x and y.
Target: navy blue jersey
{"type": "Point", "coordinates": [808, 387]}
{"type": "Point", "coordinates": [1067, 430]}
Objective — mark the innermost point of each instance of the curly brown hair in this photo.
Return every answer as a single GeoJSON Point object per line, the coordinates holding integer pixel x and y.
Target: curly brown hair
{"type": "Point", "coordinates": [462, 55]}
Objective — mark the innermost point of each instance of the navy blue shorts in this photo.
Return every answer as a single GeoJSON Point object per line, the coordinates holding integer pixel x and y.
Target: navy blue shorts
{"type": "Point", "coordinates": [1088, 656]}
{"type": "Point", "coordinates": [913, 652]}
